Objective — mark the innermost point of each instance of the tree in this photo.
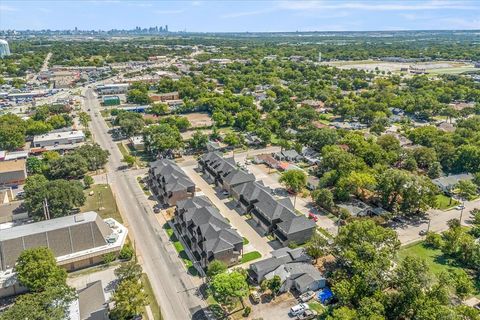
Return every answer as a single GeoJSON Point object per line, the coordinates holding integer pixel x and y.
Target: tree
{"type": "Point", "coordinates": [130, 123]}
{"type": "Point", "coordinates": [129, 298]}
{"type": "Point", "coordinates": [37, 269]}
{"type": "Point", "coordinates": [138, 97]}
{"type": "Point", "coordinates": [466, 189]}
{"type": "Point", "coordinates": [12, 132]}
{"type": "Point", "coordinates": [434, 170]}
{"type": "Point", "coordinates": [34, 165]}
{"type": "Point", "coordinates": [37, 127]}
{"type": "Point", "coordinates": [84, 118]}
{"type": "Point", "coordinates": [462, 283]}
{"type": "Point", "coordinates": [61, 195]}
{"type": "Point", "coordinates": [216, 267]}
{"type": "Point", "coordinates": [130, 270]}
{"type": "Point", "coordinates": [162, 137]}
{"type": "Point", "coordinates": [226, 287]}
{"type": "Point", "coordinates": [316, 246]}
{"type": "Point", "coordinates": [323, 198]}
{"type": "Point", "coordinates": [70, 166]}
{"type": "Point", "coordinates": [198, 141]}
{"type": "Point", "coordinates": [52, 303]}
{"type": "Point", "coordinates": [274, 284]}
{"type": "Point", "coordinates": [294, 180]}
{"type": "Point", "coordinates": [129, 160]}
{"type": "Point", "coordinates": [88, 181]}
{"type": "Point", "coordinates": [57, 121]}
{"type": "Point", "coordinates": [232, 139]}
{"type": "Point", "coordinates": [95, 156]}
{"type": "Point", "coordinates": [364, 252]}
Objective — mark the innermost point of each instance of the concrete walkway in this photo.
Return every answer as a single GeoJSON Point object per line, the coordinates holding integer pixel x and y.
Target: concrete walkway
{"type": "Point", "coordinates": [259, 243]}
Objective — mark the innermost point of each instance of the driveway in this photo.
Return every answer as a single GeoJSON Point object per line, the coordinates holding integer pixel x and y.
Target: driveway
{"type": "Point", "coordinates": [79, 280]}
{"type": "Point", "coordinates": [274, 310]}
{"type": "Point", "coordinates": [237, 221]}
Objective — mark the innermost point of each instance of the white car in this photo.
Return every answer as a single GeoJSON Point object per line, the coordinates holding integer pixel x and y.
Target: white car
{"type": "Point", "coordinates": [460, 207]}
{"type": "Point", "coordinates": [298, 309]}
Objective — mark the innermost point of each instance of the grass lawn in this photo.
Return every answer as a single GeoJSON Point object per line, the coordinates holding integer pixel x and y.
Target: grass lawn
{"type": "Point", "coordinates": [145, 188]}
{"type": "Point", "coordinates": [102, 197]}
{"type": "Point", "coordinates": [122, 149]}
{"type": "Point", "coordinates": [249, 256]}
{"type": "Point", "coordinates": [443, 202]}
{"type": "Point", "coordinates": [180, 250]}
{"type": "Point", "coordinates": [245, 241]}
{"type": "Point", "coordinates": [316, 306]}
{"type": "Point", "coordinates": [436, 261]}
{"type": "Point", "coordinates": [151, 298]}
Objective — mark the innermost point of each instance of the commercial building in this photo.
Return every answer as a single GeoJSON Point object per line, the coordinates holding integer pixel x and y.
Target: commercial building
{"type": "Point", "coordinates": [58, 139]}
{"type": "Point", "coordinates": [206, 232]}
{"type": "Point", "coordinates": [115, 88]}
{"type": "Point", "coordinates": [163, 97]}
{"type": "Point", "coordinates": [77, 241]}
{"type": "Point", "coordinates": [12, 172]}
{"type": "Point", "coordinates": [111, 101]}
{"type": "Point", "coordinates": [4, 48]}
{"type": "Point", "coordinates": [169, 183]}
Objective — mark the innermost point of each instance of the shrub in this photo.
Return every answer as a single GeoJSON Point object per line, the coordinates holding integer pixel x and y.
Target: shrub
{"type": "Point", "coordinates": [109, 257]}
{"type": "Point", "coordinates": [247, 311]}
{"type": "Point", "coordinates": [126, 253]}
{"type": "Point", "coordinates": [87, 181]}
{"type": "Point", "coordinates": [434, 240]}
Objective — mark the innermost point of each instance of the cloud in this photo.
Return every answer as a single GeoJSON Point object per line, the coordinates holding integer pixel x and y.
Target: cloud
{"type": "Point", "coordinates": [378, 6]}
{"type": "Point", "coordinates": [5, 8]}
{"type": "Point", "coordinates": [197, 3]}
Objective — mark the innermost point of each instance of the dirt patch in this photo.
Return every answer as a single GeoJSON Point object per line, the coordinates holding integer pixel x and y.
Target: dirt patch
{"type": "Point", "coordinates": [199, 119]}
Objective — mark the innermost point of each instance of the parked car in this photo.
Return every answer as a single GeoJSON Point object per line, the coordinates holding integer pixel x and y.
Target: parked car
{"type": "Point", "coordinates": [299, 309]}
{"type": "Point", "coordinates": [307, 296]}
{"type": "Point", "coordinates": [312, 216]}
{"type": "Point", "coordinates": [307, 315]}
{"type": "Point", "coordinates": [255, 296]}
{"type": "Point", "coordinates": [460, 207]}
{"type": "Point", "coordinates": [423, 232]}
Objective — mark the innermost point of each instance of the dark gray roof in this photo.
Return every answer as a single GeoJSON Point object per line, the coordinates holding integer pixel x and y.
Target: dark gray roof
{"type": "Point", "coordinates": [297, 224]}
{"type": "Point", "coordinates": [279, 257]}
{"type": "Point", "coordinates": [238, 176]}
{"type": "Point", "coordinates": [91, 302]}
{"type": "Point", "coordinates": [175, 178]}
{"type": "Point", "coordinates": [218, 234]}
{"type": "Point", "coordinates": [451, 180]}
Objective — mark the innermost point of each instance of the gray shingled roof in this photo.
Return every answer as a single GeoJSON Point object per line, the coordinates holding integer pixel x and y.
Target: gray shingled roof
{"type": "Point", "coordinates": [175, 178]}
{"type": "Point", "coordinates": [238, 177]}
{"type": "Point", "coordinates": [91, 302]}
{"type": "Point", "coordinates": [297, 224]}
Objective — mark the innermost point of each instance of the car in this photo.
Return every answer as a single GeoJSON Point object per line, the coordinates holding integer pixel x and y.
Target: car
{"type": "Point", "coordinates": [225, 193]}
{"type": "Point", "coordinates": [312, 216]}
{"type": "Point", "coordinates": [299, 309]}
{"type": "Point", "coordinates": [422, 232]}
{"type": "Point", "coordinates": [460, 207]}
{"type": "Point", "coordinates": [255, 296]}
{"type": "Point", "coordinates": [307, 296]}
{"type": "Point", "coordinates": [307, 315]}
{"type": "Point", "coordinates": [156, 210]}
{"type": "Point", "coordinates": [20, 195]}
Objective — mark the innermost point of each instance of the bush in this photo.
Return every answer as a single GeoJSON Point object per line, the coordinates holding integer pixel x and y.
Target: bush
{"type": "Point", "coordinates": [109, 257]}
{"type": "Point", "coordinates": [126, 253]}
{"type": "Point", "coordinates": [434, 240]}
{"type": "Point", "coordinates": [87, 181]}
{"type": "Point", "coordinates": [247, 311]}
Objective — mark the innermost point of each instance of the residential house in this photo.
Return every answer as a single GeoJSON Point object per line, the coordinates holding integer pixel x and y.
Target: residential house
{"type": "Point", "coordinates": [258, 270]}
{"type": "Point", "coordinates": [310, 156]}
{"type": "Point", "coordinates": [169, 182]}
{"type": "Point", "coordinates": [252, 139]}
{"type": "Point", "coordinates": [206, 232]}
{"type": "Point", "coordinates": [12, 173]}
{"type": "Point", "coordinates": [448, 183]}
{"type": "Point", "coordinates": [299, 276]}
{"type": "Point", "coordinates": [356, 208]}
{"type": "Point", "coordinates": [271, 215]}
{"type": "Point", "coordinates": [266, 159]}
{"type": "Point", "coordinates": [287, 155]}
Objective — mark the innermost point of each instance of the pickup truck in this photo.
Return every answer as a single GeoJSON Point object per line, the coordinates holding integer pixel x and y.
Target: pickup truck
{"type": "Point", "coordinates": [307, 315]}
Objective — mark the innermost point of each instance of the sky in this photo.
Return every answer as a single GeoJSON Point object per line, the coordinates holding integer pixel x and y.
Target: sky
{"type": "Point", "coordinates": [242, 16]}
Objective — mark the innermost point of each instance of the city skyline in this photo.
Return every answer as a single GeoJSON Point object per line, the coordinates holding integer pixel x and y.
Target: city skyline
{"type": "Point", "coordinates": [241, 16]}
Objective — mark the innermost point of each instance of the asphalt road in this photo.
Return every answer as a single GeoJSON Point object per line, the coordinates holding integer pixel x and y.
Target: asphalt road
{"type": "Point", "coordinates": [173, 288]}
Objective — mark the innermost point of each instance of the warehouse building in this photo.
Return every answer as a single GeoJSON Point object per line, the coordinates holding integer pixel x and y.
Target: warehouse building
{"type": "Point", "coordinates": [13, 172]}
{"type": "Point", "coordinates": [55, 139]}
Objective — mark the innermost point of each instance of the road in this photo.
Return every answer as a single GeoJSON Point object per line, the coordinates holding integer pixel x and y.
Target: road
{"type": "Point", "coordinates": [171, 284]}
{"type": "Point", "coordinates": [409, 233]}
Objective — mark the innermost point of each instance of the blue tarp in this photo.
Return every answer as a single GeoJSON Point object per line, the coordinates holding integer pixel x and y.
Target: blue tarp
{"type": "Point", "coordinates": [325, 295]}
